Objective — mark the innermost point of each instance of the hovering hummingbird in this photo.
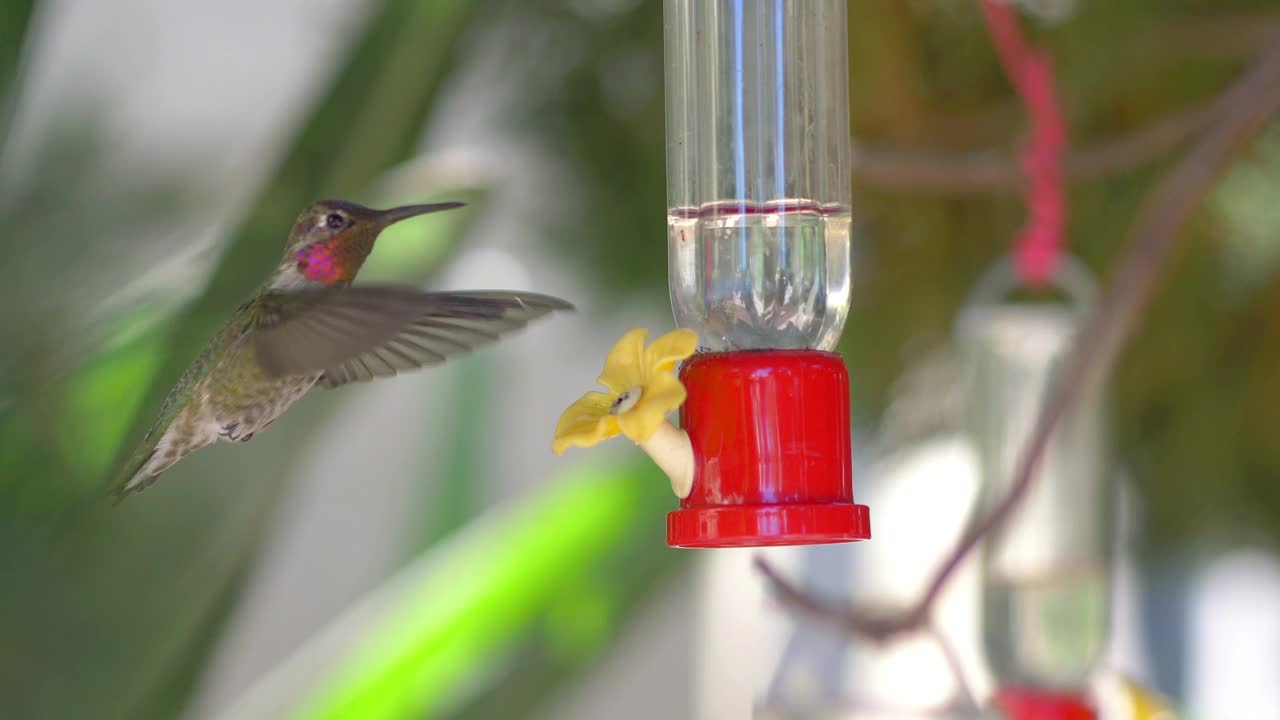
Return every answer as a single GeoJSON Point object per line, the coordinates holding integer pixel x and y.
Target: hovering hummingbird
{"type": "Point", "coordinates": [306, 326]}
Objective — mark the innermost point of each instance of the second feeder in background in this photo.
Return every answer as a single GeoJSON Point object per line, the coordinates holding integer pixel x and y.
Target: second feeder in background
{"type": "Point", "coordinates": [1046, 572]}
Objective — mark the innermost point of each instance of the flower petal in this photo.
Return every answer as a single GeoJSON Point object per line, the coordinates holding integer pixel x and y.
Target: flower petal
{"type": "Point", "coordinates": [661, 396]}
{"type": "Point", "coordinates": [641, 423]}
{"type": "Point", "coordinates": [589, 437]}
{"type": "Point", "coordinates": [670, 349]}
{"type": "Point", "coordinates": [590, 407]}
{"type": "Point", "coordinates": [624, 367]}
{"type": "Point", "coordinates": [584, 423]}
{"type": "Point", "coordinates": [666, 391]}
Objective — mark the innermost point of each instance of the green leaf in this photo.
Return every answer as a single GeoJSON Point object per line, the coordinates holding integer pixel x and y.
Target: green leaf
{"type": "Point", "coordinates": [429, 638]}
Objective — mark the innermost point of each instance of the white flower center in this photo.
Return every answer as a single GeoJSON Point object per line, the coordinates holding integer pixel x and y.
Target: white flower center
{"type": "Point", "coordinates": [624, 402]}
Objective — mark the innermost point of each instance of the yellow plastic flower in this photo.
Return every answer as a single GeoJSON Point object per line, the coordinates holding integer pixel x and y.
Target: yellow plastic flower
{"type": "Point", "coordinates": [642, 389]}
{"type": "Point", "coordinates": [1146, 704]}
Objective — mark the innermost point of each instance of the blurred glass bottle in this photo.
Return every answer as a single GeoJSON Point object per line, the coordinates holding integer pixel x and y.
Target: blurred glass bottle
{"type": "Point", "coordinates": [1046, 571]}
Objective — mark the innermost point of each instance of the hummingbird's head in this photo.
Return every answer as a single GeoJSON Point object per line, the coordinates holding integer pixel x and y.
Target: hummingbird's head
{"type": "Point", "coordinates": [332, 238]}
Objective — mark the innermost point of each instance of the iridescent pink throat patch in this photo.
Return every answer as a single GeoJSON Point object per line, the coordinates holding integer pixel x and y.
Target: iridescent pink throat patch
{"type": "Point", "coordinates": [319, 263]}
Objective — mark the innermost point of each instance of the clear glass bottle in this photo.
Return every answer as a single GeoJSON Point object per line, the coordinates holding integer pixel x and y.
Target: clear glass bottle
{"type": "Point", "coordinates": [1046, 572]}
{"type": "Point", "coordinates": [758, 171]}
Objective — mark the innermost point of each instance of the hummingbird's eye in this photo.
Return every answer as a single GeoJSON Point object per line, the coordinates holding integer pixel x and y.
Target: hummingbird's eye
{"type": "Point", "coordinates": [335, 221]}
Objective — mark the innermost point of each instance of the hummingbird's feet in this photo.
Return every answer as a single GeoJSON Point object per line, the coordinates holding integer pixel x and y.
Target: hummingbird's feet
{"type": "Point", "coordinates": [229, 433]}
{"type": "Point", "coordinates": [231, 430]}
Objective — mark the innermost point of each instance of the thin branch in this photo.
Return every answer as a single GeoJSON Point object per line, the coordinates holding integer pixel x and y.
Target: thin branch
{"type": "Point", "coordinates": [948, 649]}
{"type": "Point", "coordinates": [1237, 116]}
{"type": "Point", "coordinates": [1152, 142]}
{"type": "Point", "coordinates": [875, 626]}
{"type": "Point", "coordinates": [1220, 37]}
{"type": "Point", "coordinates": [997, 170]}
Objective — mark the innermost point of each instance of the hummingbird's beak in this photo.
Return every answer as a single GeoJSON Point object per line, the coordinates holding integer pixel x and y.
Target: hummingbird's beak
{"type": "Point", "coordinates": [396, 214]}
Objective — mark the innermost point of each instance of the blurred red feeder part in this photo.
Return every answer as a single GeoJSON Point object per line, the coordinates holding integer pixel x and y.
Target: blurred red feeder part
{"type": "Point", "coordinates": [1021, 703]}
{"type": "Point", "coordinates": [771, 445]}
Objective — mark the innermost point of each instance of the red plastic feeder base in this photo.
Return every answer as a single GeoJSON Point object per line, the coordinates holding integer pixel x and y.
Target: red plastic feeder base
{"type": "Point", "coordinates": [1023, 703]}
{"type": "Point", "coordinates": [772, 458]}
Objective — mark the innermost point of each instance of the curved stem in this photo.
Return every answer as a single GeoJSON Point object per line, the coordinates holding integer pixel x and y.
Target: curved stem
{"type": "Point", "coordinates": [671, 450]}
{"type": "Point", "coordinates": [994, 170]}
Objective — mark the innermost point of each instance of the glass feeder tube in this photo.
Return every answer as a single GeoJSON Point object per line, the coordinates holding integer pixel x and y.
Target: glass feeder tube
{"type": "Point", "coordinates": [1046, 571]}
{"type": "Point", "coordinates": [758, 222]}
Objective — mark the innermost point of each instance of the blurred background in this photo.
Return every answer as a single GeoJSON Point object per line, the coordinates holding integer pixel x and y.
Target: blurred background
{"type": "Point", "coordinates": [411, 548]}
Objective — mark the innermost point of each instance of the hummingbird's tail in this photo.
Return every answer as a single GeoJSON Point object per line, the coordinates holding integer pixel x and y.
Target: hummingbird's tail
{"type": "Point", "coordinates": [160, 449]}
{"type": "Point", "coordinates": [136, 475]}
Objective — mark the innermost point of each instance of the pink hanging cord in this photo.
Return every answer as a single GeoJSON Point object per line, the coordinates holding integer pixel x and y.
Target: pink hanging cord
{"type": "Point", "coordinates": [1030, 71]}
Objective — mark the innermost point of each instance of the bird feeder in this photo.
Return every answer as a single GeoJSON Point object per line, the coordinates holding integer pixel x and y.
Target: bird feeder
{"type": "Point", "coordinates": [1046, 569]}
{"type": "Point", "coordinates": [759, 221]}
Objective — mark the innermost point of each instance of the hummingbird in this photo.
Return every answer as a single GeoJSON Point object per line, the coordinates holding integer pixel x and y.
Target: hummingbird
{"type": "Point", "coordinates": [306, 326]}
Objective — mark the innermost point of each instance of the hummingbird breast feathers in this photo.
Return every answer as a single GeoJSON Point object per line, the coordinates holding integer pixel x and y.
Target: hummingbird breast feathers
{"type": "Point", "coordinates": [232, 402]}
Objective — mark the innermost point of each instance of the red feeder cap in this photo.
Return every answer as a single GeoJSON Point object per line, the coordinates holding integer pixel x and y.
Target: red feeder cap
{"type": "Point", "coordinates": [1023, 703]}
{"type": "Point", "coordinates": [771, 446]}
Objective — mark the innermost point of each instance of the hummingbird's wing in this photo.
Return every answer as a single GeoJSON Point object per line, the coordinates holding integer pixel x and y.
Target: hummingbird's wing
{"type": "Point", "coordinates": [359, 333]}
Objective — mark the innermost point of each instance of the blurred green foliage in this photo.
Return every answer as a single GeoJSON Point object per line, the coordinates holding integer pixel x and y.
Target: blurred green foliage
{"type": "Point", "coordinates": [502, 590]}
{"type": "Point", "coordinates": [122, 604]}
{"type": "Point", "coordinates": [15, 18]}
